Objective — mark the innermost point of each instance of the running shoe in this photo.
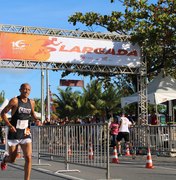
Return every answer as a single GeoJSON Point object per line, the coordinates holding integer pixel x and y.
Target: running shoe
{"type": "Point", "coordinates": [3, 166]}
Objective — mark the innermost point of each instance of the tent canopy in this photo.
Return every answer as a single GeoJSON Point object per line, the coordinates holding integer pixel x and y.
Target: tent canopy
{"type": "Point", "coordinates": [159, 90]}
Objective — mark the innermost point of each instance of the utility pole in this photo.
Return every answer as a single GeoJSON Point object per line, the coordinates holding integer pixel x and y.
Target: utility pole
{"type": "Point", "coordinates": [42, 95]}
{"type": "Point", "coordinates": [48, 94]}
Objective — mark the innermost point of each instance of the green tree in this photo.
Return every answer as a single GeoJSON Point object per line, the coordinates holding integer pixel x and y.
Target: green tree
{"type": "Point", "coordinates": [111, 97]}
{"type": "Point", "coordinates": [66, 103]}
{"type": "Point", "coordinates": [37, 105]}
{"type": "Point", "coordinates": [152, 26]}
{"type": "Point", "coordinates": [2, 97]}
{"type": "Point", "coordinates": [94, 100]}
{"type": "Point", "coordinates": [102, 101]}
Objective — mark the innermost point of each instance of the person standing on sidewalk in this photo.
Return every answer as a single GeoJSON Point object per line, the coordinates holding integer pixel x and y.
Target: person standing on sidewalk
{"type": "Point", "coordinates": [22, 112]}
{"type": "Point", "coordinates": [124, 132]}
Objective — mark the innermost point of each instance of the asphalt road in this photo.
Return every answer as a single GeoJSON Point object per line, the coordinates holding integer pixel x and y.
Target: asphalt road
{"type": "Point", "coordinates": [126, 169]}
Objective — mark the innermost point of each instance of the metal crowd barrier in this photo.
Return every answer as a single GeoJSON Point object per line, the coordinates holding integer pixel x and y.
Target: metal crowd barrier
{"type": "Point", "coordinates": [86, 145]}
{"type": "Point", "coordinates": [3, 143]}
{"type": "Point", "coordinates": [162, 139]}
{"type": "Point", "coordinates": [89, 144]}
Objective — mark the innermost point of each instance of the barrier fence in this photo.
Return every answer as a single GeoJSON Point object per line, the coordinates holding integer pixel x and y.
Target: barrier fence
{"type": "Point", "coordinates": [86, 145]}
{"type": "Point", "coordinates": [89, 144]}
{"type": "Point", "coordinates": [161, 139]}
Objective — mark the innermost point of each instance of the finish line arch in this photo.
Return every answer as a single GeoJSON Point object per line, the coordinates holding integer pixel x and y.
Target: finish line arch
{"type": "Point", "coordinates": [74, 51]}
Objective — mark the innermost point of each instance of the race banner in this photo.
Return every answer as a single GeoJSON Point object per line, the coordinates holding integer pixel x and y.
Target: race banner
{"type": "Point", "coordinates": [43, 48]}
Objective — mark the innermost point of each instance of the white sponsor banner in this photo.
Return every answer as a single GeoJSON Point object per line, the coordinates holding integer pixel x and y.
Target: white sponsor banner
{"type": "Point", "coordinates": [100, 52]}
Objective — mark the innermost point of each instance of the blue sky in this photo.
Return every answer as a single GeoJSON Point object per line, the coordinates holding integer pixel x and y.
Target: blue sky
{"type": "Point", "coordinates": [49, 14]}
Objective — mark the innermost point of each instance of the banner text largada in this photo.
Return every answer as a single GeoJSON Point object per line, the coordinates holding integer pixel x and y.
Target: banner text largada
{"type": "Point", "coordinates": [68, 50]}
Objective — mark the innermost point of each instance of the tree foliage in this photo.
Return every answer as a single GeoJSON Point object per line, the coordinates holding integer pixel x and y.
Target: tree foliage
{"type": "Point", "coordinates": [67, 103]}
{"type": "Point", "coordinates": [92, 101]}
{"type": "Point", "coordinates": [152, 26]}
{"type": "Point", "coordinates": [37, 105]}
{"type": "Point", "coordinates": [2, 97]}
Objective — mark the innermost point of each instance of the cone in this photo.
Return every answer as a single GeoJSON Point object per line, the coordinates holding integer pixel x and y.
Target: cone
{"type": "Point", "coordinates": [149, 163]}
{"type": "Point", "coordinates": [91, 156]}
{"type": "Point", "coordinates": [127, 152]}
{"type": "Point", "coordinates": [115, 156]}
{"type": "Point", "coordinates": [69, 151]}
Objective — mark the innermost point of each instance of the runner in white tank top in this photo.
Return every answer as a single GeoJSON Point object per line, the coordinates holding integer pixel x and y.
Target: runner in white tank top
{"type": "Point", "coordinates": [124, 132]}
{"type": "Point", "coordinates": [125, 123]}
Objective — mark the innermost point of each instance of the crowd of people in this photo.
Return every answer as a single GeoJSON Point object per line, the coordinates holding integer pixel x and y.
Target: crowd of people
{"type": "Point", "coordinates": [66, 120]}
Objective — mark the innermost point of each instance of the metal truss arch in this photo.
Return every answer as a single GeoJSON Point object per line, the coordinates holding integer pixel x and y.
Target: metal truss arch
{"type": "Point", "coordinates": [63, 33]}
{"type": "Point", "coordinates": [66, 66]}
{"type": "Point", "coordinates": [104, 69]}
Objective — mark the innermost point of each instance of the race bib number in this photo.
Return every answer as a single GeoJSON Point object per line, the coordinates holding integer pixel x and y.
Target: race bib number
{"type": "Point", "coordinates": [22, 124]}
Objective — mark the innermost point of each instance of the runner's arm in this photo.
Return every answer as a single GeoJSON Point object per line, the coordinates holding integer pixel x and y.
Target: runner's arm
{"type": "Point", "coordinates": [11, 106]}
{"type": "Point", "coordinates": [33, 112]}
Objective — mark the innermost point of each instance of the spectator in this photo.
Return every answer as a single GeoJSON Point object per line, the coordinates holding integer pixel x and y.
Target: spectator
{"type": "Point", "coordinates": [46, 122]}
{"type": "Point", "coordinates": [154, 120]}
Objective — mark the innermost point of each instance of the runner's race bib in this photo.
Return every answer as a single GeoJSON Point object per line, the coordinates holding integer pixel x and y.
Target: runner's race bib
{"type": "Point", "coordinates": [22, 124]}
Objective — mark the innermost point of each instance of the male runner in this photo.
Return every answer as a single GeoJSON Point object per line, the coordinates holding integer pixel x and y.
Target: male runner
{"type": "Point", "coordinates": [22, 110]}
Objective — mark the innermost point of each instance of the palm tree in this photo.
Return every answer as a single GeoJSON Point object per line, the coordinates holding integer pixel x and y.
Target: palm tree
{"type": "Point", "coordinates": [93, 97]}
{"type": "Point", "coordinates": [101, 101]}
{"type": "Point", "coordinates": [111, 97]}
{"type": "Point", "coordinates": [93, 101]}
{"type": "Point", "coordinates": [66, 102]}
{"type": "Point", "coordinates": [37, 105]}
